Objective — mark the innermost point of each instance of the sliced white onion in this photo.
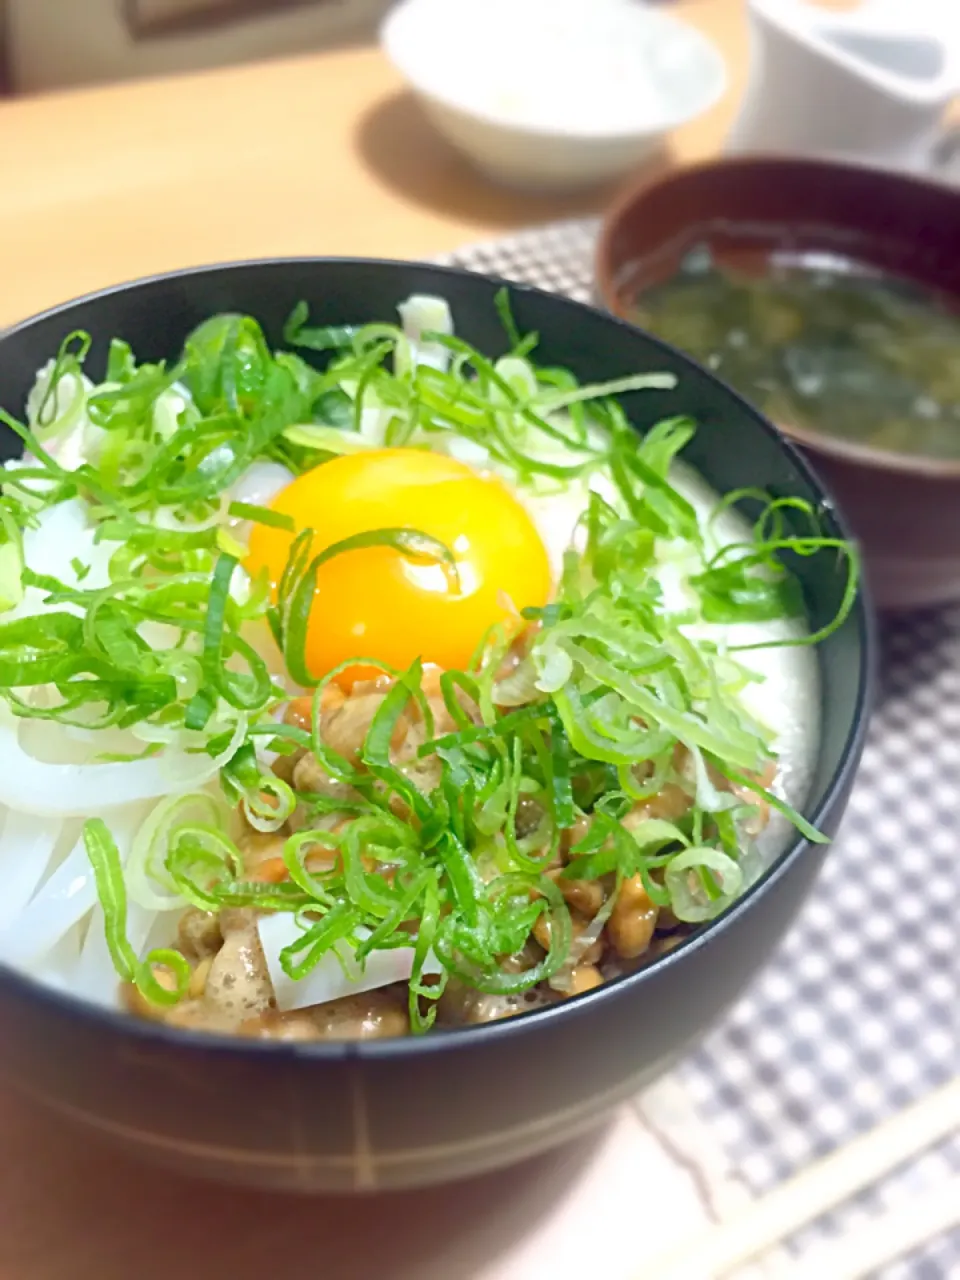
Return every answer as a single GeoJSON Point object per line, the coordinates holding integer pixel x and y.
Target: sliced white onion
{"type": "Point", "coordinates": [63, 900]}
{"type": "Point", "coordinates": [162, 932]}
{"type": "Point", "coordinates": [62, 534]}
{"type": "Point", "coordinates": [29, 786]}
{"type": "Point", "coordinates": [709, 798]}
{"type": "Point", "coordinates": [327, 981]}
{"type": "Point", "coordinates": [374, 420]}
{"type": "Point", "coordinates": [154, 733]}
{"type": "Point", "coordinates": [261, 482]}
{"type": "Point", "coordinates": [91, 442]}
{"type": "Point", "coordinates": [421, 314]}
{"type": "Point", "coordinates": [26, 849]}
{"type": "Point", "coordinates": [58, 966]}
{"type": "Point", "coordinates": [94, 975]}
{"type": "Point", "coordinates": [52, 743]}
{"type": "Point", "coordinates": [468, 451]}
{"type": "Point", "coordinates": [39, 486]}
{"type": "Point", "coordinates": [169, 406]}
{"type": "Point", "coordinates": [240, 585]}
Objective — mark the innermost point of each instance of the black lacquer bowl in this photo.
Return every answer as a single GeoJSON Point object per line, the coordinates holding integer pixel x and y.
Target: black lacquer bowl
{"type": "Point", "coordinates": [418, 1111]}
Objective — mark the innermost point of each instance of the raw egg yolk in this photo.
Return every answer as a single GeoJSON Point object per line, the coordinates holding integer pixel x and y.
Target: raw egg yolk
{"type": "Point", "coordinates": [377, 603]}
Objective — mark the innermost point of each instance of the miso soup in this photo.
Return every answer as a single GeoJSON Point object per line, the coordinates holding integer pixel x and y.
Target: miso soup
{"type": "Point", "coordinates": [869, 358]}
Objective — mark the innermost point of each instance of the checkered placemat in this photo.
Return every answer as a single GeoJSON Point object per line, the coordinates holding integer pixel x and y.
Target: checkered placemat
{"type": "Point", "coordinates": [857, 1015]}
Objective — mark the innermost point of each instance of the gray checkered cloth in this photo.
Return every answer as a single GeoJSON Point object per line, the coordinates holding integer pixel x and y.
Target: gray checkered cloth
{"type": "Point", "coordinates": [856, 1016]}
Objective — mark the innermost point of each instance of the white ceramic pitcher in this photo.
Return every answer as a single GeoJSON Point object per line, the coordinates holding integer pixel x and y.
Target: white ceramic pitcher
{"type": "Point", "coordinates": [869, 84]}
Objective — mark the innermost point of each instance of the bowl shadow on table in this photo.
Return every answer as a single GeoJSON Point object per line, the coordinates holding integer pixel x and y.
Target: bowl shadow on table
{"type": "Point", "coordinates": [400, 146]}
{"type": "Point", "coordinates": [75, 1206]}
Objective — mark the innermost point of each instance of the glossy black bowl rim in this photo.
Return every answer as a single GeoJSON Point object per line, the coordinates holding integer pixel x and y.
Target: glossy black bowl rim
{"type": "Point", "coordinates": [444, 1040]}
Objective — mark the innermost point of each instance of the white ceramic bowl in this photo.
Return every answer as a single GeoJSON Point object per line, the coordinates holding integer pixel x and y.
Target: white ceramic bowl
{"type": "Point", "coordinates": [549, 94]}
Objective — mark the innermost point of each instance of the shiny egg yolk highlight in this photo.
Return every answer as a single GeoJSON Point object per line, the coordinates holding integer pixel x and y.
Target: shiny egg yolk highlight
{"type": "Point", "coordinates": [377, 603]}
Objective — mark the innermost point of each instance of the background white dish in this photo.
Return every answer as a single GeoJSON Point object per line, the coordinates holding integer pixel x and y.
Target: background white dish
{"type": "Point", "coordinates": [553, 93]}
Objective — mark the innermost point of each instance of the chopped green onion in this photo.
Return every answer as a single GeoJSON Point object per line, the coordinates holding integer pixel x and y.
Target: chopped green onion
{"type": "Point", "coordinates": [111, 891]}
{"type": "Point", "coordinates": [261, 515]}
{"type": "Point", "coordinates": [702, 881]}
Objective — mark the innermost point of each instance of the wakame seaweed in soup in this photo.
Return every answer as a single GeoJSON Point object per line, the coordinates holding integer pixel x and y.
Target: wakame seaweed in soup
{"type": "Point", "coordinates": [865, 357]}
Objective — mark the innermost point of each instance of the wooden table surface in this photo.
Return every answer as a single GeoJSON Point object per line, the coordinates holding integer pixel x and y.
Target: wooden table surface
{"type": "Point", "coordinates": [320, 154]}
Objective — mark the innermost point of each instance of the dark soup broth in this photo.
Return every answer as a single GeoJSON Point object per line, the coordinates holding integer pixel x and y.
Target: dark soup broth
{"type": "Point", "coordinates": [868, 358]}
